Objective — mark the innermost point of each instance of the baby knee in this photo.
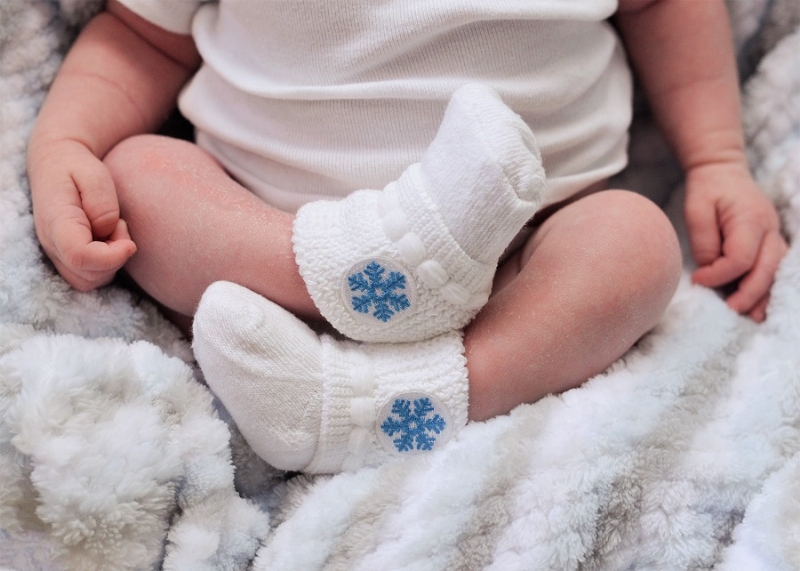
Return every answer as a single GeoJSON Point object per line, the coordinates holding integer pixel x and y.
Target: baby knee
{"type": "Point", "coordinates": [652, 236]}
{"type": "Point", "coordinates": [141, 154]}
{"type": "Point", "coordinates": [146, 167]}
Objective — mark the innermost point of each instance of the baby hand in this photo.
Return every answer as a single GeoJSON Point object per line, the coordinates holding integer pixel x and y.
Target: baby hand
{"type": "Point", "coordinates": [76, 214]}
{"type": "Point", "coordinates": [734, 232]}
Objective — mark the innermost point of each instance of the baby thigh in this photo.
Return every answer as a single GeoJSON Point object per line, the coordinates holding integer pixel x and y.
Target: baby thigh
{"type": "Point", "coordinates": [590, 281]}
{"type": "Point", "coordinates": [193, 225]}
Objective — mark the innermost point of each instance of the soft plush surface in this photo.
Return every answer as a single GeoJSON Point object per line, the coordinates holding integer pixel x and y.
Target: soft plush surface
{"type": "Point", "coordinates": [683, 455]}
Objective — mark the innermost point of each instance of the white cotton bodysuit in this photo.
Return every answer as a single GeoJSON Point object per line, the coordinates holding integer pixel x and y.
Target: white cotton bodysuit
{"type": "Point", "coordinates": [303, 100]}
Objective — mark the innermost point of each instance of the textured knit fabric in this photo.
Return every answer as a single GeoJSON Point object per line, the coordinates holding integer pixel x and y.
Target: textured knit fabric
{"type": "Point", "coordinates": [361, 379]}
{"type": "Point", "coordinates": [322, 405]}
{"type": "Point", "coordinates": [316, 99]}
{"type": "Point", "coordinates": [418, 259]}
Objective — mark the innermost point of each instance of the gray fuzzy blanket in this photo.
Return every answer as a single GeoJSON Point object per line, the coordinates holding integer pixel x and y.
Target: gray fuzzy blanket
{"type": "Point", "coordinates": [685, 454]}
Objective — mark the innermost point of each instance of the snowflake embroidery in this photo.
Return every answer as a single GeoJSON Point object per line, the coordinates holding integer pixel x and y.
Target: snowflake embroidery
{"type": "Point", "coordinates": [380, 293]}
{"type": "Point", "coordinates": [415, 430]}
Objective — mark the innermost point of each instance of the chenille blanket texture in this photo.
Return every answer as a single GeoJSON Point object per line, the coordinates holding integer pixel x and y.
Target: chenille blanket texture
{"type": "Point", "coordinates": [685, 454]}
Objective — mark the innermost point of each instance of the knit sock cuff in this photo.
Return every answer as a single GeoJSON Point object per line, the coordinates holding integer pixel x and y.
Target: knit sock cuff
{"type": "Point", "coordinates": [349, 249]}
{"type": "Point", "coordinates": [384, 401]}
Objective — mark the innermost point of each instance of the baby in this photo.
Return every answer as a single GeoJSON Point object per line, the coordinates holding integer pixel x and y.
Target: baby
{"type": "Point", "coordinates": [375, 165]}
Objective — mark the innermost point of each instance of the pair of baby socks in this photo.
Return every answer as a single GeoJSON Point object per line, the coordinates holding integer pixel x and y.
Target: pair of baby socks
{"type": "Point", "coordinates": [399, 271]}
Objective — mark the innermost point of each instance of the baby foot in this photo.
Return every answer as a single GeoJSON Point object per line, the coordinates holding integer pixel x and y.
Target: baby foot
{"type": "Point", "coordinates": [418, 258]}
{"type": "Point", "coordinates": [314, 404]}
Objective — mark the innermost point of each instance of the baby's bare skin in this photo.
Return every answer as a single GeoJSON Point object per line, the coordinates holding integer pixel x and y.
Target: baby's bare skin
{"type": "Point", "coordinates": [682, 52]}
{"type": "Point", "coordinates": [592, 278]}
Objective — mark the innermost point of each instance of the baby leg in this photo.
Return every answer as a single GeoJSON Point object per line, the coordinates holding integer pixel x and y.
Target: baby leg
{"type": "Point", "coordinates": [194, 225]}
{"type": "Point", "coordinates": [591, 280]}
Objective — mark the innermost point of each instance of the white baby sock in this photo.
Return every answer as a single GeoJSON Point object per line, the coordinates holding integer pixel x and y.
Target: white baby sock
{"type": "Point", "coordinates": [312, 403]}
{"type": "Point", "coordinates": [418, 258]}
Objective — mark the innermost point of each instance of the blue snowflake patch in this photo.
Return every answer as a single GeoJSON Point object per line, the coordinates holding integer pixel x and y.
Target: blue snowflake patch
{"type": "Point", "coordinates": [381, 294]}
{"type": "Point", "coordinates": [415, 429]}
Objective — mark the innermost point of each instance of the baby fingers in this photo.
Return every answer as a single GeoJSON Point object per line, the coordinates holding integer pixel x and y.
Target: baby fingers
{"type": "Point", "coordinates": [759, 311]}
{"type": "Point", "coordinates": [740, 251]}
{"type": "Point", "coordinates": [752, 294]}
{"type": "Point", "coordinates": [98, 197]}
{"type": "Point", "coordinates": [84, 281]}
{"type": "Point", "coordinates": [86, 263]}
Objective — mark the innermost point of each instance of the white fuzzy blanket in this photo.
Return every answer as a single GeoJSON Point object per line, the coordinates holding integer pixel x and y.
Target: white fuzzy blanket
{"type": "Point", "coordinates": [684, 455]}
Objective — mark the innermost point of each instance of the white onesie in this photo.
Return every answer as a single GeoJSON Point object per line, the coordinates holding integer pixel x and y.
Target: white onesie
{"type": "Point", "coordinates": [309, 99]}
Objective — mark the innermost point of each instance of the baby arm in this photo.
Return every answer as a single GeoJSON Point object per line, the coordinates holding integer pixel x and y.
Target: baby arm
{"type": "Point", "coordinates": [120, 78]}
{"type": "Point", "coordinates": [683, 53]}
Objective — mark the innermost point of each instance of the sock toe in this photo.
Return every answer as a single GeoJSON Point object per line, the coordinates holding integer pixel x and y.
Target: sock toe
{"type": "Point", "coordinates": [508, 139]}
{"type": "Point", "coordinates": [484, 172]}
{"type": "Point", "coordinates": [264, 364]}
{"type": "Point", "coordinates": [228, 306]}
